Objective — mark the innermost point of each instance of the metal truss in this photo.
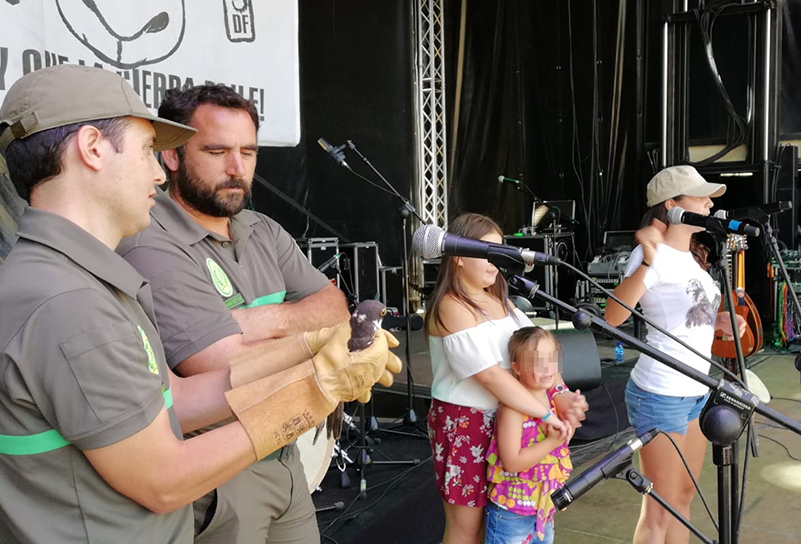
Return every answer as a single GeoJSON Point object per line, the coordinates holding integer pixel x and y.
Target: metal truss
{"type": "Point", "coordinates": [431, 190]}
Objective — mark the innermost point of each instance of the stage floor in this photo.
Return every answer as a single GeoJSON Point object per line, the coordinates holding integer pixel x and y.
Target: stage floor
{"type": "Point", "coordinates": [402, 506]}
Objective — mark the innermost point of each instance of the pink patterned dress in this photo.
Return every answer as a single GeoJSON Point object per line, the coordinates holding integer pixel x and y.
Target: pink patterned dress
{"type": "Point", "coordinates": [528, 493]}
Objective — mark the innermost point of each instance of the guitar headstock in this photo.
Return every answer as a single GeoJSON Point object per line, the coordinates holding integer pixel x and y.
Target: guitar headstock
{"type": "Point", "coordinates": [736, 242]}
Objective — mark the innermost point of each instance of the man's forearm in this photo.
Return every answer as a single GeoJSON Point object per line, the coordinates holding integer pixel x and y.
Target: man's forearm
{"type": "Point", "coordinates": [200, 398]}
{"type": "Point", "coordinates": [325, 308]}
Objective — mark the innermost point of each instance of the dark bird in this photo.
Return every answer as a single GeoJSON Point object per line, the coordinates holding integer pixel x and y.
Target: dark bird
{"type": "Point", "coordinates": [364, 324]}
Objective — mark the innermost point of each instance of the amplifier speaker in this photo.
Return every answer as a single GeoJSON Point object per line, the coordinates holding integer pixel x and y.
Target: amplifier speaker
{"type": "Point", "coordinates": [320, 250]}
{"type": "Point", "coordinates": [363, 273]}
{"type": "Point", "coordinates": [581, 364]}
{"type": "Point", "coordinates": [787, 189]}
{"type": "Point", "coordinates": [557, 281]}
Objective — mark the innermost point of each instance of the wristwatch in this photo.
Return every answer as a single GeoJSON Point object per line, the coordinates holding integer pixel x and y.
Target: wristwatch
{"type": "Point", "coordinates": [559, 389]}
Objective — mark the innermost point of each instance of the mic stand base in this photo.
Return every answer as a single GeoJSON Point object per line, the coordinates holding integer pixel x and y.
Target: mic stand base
{"type": "Point", "coordinates": [644, 486]}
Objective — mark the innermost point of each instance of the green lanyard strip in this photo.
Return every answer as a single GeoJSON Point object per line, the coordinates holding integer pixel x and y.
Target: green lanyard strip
{"type": "Point", "coordinates": [274, 298]}
{"type": "Point", "coordinates": [47, 440]}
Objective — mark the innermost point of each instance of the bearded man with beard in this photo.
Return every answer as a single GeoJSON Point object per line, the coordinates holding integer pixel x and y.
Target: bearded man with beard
{"type": "Point", "coordinates": [226, 282]}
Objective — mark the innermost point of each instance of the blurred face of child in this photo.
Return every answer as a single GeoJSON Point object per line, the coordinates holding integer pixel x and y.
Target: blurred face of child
{"type": "Point", "coordinates": [479, 273]}
{"type": "Point", "coordinates": [537, 368]}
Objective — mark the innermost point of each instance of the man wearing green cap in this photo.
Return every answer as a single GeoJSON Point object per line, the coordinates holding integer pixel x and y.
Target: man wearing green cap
{"type": "Point", "coordinates": [91, 417]}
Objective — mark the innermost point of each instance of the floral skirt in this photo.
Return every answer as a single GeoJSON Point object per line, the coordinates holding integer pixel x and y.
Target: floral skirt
{"type": "Point", "coordinates": [459, 437]}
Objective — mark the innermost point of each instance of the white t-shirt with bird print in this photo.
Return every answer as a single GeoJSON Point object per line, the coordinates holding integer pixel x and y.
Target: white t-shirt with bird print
{"type": "Point", "coordinates": [683, 299]}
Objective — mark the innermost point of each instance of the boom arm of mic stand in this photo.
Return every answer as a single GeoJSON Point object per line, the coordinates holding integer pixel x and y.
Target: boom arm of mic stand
{"type": "Point", "coordinates": [587, 320]}
{"type": "Point", "coordinates": [407, 205]}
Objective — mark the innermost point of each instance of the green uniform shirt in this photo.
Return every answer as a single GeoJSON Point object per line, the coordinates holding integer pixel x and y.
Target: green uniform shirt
{"type": "Point", "coordinates": [81, 367]}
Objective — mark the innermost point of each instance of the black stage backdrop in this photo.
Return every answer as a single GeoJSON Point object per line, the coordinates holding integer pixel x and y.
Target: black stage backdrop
{"type": "Point", "coordinates": [537, 103]}
{"type": "Point", "coordinates": [356, 84]}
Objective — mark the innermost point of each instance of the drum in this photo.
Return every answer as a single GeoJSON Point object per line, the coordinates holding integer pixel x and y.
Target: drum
{"type": "Point", "coordinates": [316, 457]}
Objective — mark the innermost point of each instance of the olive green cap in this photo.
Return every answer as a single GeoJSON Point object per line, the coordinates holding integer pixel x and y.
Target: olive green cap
{"type": "Point", "coordinates": [66, 94]}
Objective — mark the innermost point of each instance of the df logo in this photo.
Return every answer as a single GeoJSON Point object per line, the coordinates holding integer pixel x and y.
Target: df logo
{"type": "Point", "coordinates": [239, 24]}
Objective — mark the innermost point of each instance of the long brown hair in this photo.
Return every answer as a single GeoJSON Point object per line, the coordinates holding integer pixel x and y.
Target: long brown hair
{"type": "Point", "coordinates": [469, 225]}
{"type": "Point", "coordinates": [698, 249]}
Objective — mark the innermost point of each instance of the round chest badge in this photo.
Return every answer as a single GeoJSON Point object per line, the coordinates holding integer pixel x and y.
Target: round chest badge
{"type": "Point", "coordinates": [220, 279]}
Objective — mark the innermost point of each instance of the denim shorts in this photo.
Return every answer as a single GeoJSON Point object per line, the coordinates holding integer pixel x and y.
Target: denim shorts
{"type": "Point", "coordinates": [505, 527]}
{"type": "Point", "coordinates": [653, 411]}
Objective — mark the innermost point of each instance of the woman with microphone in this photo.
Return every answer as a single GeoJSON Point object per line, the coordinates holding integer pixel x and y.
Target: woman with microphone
{"type": "Point", "coordinates": [667, 275]}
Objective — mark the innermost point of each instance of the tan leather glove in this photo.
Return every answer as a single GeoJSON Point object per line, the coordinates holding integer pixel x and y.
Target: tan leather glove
{"type": "Point", "coordinates": [277, 409]}
{"type": "Point", "coordinates": [315, 340]}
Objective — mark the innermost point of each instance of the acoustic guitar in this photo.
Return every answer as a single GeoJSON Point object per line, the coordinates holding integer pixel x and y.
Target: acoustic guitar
{"type": "Point", "coordinates": [751, 341]}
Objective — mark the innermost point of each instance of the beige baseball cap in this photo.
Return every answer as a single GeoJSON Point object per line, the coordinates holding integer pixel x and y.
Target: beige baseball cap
{"type": "Point", "coordinates": [66, 94]}
{"type": "Point", "coordinates": [676, 181]}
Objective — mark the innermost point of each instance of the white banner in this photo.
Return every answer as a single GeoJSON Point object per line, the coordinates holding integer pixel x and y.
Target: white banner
{"type": "Point", "coordinates": [162, 44]}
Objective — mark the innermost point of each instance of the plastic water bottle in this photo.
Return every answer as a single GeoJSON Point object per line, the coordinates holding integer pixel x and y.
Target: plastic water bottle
{"type": "Point", "coordinates": [619, 352]}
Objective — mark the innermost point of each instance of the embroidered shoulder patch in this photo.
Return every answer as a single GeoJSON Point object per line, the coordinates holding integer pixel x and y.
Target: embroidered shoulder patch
{"type": "Point", "coordinates": [219, 278]}
{"type": "Point", "coordinates": [152, 364]}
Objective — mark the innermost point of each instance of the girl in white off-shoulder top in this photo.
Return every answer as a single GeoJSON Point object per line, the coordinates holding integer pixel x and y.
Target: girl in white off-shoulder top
{"type": "Point", "coordinates": [469, 322]}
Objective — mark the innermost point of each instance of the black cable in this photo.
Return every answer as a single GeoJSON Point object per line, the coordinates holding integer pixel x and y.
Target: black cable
{"type": "Point", "coordinates": [785, 398]}
{"type": "Point", "coordinates": [695, 483]}
{"type": "Point", "coordinates": [329, 538]}
{"type": "Point", "coordinates": [790, 455]}
{"type": "Point", "coordinates": [390, 485]}
{"type": "Point", "coordinates": [738, 133]}
{"type": "Point", "coordinates": [575, 144]}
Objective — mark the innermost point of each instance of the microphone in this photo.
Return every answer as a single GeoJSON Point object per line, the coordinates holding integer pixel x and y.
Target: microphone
{"type": "Point", "coordinates": [336, 152]}
{"type": "Point", "coordinates": [755, 212]}
{"type": "Point", "coordinates": [504, 179]}
{"type": "Point", "coordinates": [431, 242]}
{"type": "Point", "coordinates": [678, 216]}
{"type": "Point", "coordinates": [329, 263]}
{"type": "Point", "coordinates": [606, 468]}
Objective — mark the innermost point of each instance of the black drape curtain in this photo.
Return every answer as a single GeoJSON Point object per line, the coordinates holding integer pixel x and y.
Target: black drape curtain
{"type": "Point", "coordinates": [356, 83]}
{"type": "Point", "coordinates": [540, 102]}
{"type": "Point", "coordinates": [790, 117]}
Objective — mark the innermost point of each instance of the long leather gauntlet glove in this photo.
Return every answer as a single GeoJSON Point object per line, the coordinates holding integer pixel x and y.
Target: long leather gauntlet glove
{"type": "Point", "coordinates": [277, 409]}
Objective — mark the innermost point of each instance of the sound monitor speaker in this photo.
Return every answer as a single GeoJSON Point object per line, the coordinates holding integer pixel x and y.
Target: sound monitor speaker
{"type": "Point", "coordinates": [391, 286]}
{"type": "Point", "coordinates": [318, 251]}
{"type": "Point", "coordinates": [787, 189]}
{"type": "Point", "coordinates": [581, 364]}
{"type": "Point", "coordinates": [554, 280]}
{"type": "Point", "coordinates": [363, 270]}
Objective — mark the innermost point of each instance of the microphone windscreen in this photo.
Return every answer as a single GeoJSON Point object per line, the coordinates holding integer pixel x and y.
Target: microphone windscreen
{"type": "Point", "coordinates": [427, 241]}
{"type": "Point", "coordinates": [674, 215]}
{"type": "Point", "coordinates": [720, 214]}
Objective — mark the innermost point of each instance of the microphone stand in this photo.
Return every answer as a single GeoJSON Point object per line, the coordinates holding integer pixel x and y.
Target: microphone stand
{"type": "Point", "coordinates": [719, 431]}
{"type": "Point", "coordinates": [521, 187]}
{"type": "Point", "coordinates": [410, 417]}
{"type": "Point", "coordinates": [773, 245]}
